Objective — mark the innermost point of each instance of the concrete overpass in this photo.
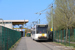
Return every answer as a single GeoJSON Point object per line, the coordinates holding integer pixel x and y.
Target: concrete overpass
{"type": "Point", "coordinates": [11, 23]}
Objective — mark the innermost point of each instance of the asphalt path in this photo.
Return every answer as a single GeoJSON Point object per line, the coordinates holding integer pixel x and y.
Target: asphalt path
{"type": "Point", "coordinates": [27, 43]}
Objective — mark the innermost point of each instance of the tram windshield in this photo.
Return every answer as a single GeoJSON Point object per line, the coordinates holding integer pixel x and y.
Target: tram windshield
{"type": "Point", "coordinates": [42, 29]}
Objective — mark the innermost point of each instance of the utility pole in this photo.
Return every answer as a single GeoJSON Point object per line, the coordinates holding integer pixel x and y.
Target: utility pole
{"type": "Point", "coordinates": [34, 23]}
{"type": "Point", "coordinates": [52, 17]}
{"type": "Point", "coordinates": [24, 23]}
{"type": "Point", "coordinates": [39, 21]}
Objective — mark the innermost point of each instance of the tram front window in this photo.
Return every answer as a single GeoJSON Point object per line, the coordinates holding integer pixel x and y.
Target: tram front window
{"type": "Point", "coordinates": [42, 30]}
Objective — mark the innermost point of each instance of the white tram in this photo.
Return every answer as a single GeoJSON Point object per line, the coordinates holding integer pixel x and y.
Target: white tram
{"type": "Point", "coordinates": [39, 32]}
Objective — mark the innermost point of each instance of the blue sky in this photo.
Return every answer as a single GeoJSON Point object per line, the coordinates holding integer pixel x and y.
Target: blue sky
{"type": "Point", "coordinates": [24, 9]}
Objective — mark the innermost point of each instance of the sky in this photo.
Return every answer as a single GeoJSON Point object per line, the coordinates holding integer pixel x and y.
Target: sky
{"type": "Point", "coordinates": [24, 9]}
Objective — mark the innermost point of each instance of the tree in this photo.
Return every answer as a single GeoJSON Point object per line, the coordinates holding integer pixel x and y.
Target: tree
{"type": "Point", "coordinates": [63, 15]}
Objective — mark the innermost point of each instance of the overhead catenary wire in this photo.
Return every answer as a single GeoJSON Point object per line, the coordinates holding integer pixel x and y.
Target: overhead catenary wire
{"type": "Point", "coordinates": [42, 19]}
{"type": "Point", "coordinates": [41, 12]}
{"type": "Point", "coordinates": [48, 7]}
{"type": "Point", "coordinates": [44, 9]}
{"type": "Point", "coordinates": [37, 17]}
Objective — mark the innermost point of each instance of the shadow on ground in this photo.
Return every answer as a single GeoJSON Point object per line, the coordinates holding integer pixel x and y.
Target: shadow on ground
{"type": "Point", "coordinates": [45, 40]}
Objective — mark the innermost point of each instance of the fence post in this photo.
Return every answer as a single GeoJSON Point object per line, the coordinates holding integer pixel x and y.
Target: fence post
{"type": "Point", "coordinates": [7, 38]}
{"type": "Point", "coordinates": [74, 34]}
{"type": "Point", "coordinates": [55, 35]}
{"type": "Point", "coordinates": [61, 36]}
{"type": "Point", "coordinates": [64, 37]}
{"type": "Point", "coordinates": [69, 37]}
{"type": "Point", "coordinates": [58, 36]}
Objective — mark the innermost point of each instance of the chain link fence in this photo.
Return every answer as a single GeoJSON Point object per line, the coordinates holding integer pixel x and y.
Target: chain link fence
{"type": "Point", "coordinates": [60, 37]}
{"type": "Point", "coordinates": [8, 37]}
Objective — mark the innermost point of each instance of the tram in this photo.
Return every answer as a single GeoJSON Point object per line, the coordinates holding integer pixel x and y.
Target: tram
{"type": "Point", "coordinates": [39, 32]}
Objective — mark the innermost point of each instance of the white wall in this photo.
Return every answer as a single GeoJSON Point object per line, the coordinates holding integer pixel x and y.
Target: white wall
{"type": "Point", "coordinates": [7, 25]}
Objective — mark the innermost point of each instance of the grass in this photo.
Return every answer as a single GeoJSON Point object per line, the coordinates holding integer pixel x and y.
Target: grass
{"type": "Point", "coordinates": [67, 44]}
{"type": "Point", "coordinates": [14, 44]}
{"type": "Point", "coordinates": [72, 38]}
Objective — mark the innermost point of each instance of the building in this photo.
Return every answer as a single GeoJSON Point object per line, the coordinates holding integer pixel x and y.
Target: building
{"type": "Point", "coordinates": [11, 23]}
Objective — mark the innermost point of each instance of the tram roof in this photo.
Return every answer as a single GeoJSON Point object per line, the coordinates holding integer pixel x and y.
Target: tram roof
{"type": "Point", "coordinates": [41, 24]}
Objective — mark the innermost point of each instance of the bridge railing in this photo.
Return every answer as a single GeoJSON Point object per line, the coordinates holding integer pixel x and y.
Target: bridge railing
{"type": "Point", "coordinates": [8, 37]}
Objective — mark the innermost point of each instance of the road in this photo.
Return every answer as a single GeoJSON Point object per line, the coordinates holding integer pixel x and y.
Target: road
{"type": "Point", "coordinates": [27, 43]}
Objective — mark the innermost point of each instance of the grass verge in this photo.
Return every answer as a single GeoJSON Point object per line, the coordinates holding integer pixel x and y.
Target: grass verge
{"type": "Point", "coordinates": [67, 45]}
{"type": "Point", "coordinates": [13, 47]}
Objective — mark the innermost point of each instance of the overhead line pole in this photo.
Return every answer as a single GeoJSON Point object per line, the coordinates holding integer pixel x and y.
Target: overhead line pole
{"type": "Point", "coordinates": [52, 17]}
{"type": "Point", "coordinates": [39, 21]}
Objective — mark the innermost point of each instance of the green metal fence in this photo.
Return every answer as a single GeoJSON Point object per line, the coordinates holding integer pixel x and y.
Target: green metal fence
{"type": "Point", "coordinates": [8, 37]}
{"type": "Point", "coordinates": [60, 37]}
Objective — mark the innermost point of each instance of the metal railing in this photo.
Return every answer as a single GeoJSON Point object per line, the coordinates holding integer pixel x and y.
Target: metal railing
{"type": "Point", "coordinates": [60, 37]}
{"type": "Point", "coordinates": [8, 37]}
